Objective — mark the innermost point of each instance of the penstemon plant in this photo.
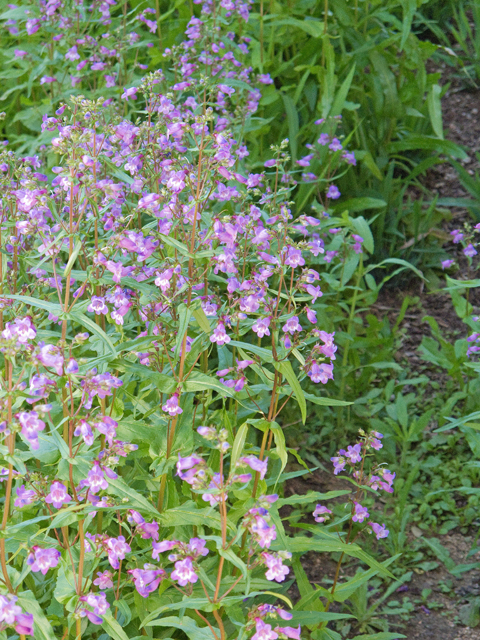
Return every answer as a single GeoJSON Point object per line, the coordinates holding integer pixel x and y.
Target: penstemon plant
{"type": "Point", "coordinates": [157, 315]}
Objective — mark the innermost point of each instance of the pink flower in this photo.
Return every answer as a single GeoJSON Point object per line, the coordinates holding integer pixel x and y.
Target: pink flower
{"type": "Point", "coordinates": [321, 514]}
{"type": "Point", "coordinates": [58, 495]}
{"type": "Point", "coordinates": [264, 631]}
{"type": "Point", "coordinates": [360, 513]}
{"type": "Point", "coordinates": [292, 325]}
{"type": "Point", "coordinates": [104, 580]}
{"type": "Point", "coordinates": [184, 572]}
{"type": "Point", "coordinates": [130, 93]}
{"type": "Point", "coordinates": [172, 407]}
{"type": "Point", "coordinates": [219, 335]}
{"type": "Point", "coordinates": [379, 530]}
{"type": "Point", "coordinates": [43, 559]}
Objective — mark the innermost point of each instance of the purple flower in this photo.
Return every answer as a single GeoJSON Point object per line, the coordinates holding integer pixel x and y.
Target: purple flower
{"type": "Point", "coordinates": [335, 145]}
{"type": "Point", "coordinates": [260, 327]}
{"type": "Point", "coordinates": [379, 530]}
{"type": "Point", "coordinates": [320, 373]}
{"type": "Point", "coordinates": [161, 547]}
{"type": "Point", "coordinates": [146, 580]}
{"type": "Point", "coordinates": [360, 513]}
{"type": "Point", "coordinates": [333, 193]}
{"type": "Point", "coordinates": [104, 580]}
{"type": "Point", "coordinates": [51, 356]}
{"type": "Point", "coordinates": [290, 632]}
{"type": "Point", "coordinates": [323, 139]}
{"type": "Point", "coordinates": [339, 463]}
{"type": "Point", "coordinates": [457, 236]}
{"type": "Point", "coordinates": [43, 559]}
{"type": "Point", "coordinates": [470, 251]}
{"type": "Point", "coordinates": [257, 465]}
{"type": "Point", "coordinates": [315, 292]}
{"type": "Point", "coordinates": [31, 425]}
{"type": "Point", "coordinates": [292, 325]}
{"type": "Point", "coordinates": [172, 407]}
{"type": "Point", "coordinates": [130, 93]}
{"type": "Point", "coordinates": [58, 495]}
{"type": "Point", "coordinates": [294, 258]}
{"type": "Point", "coordinates": [219, 335]}
{"type": "Point", "coordinates": [276, 569]}
{"type": "Point", "coordinates": [99, 605]}
{"type": "Point", "coordinates": [311, 315]}
{"type": "Point", "coordinates": [446, 264]}
{"type": "Point", "coordinates": [354, 453]}
{"type": "Point", "coordinates": [264, 631]}
{"type": "Point", "coordinates": [321, 514]}
{"type": "Point", "coordinates": [84, 429]}
{"type": "Point", "coordinates": [24, 497]}
{"type": "Point", "coordinates": [95, 479]}
{"type": "Point", "coordinates": [97, 305]}
{"type": "Point", "coordinates": [184, 572]}
{"type": "Point", "coordinates": [116, 550]}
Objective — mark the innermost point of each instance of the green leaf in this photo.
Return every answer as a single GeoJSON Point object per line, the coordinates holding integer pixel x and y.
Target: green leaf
{"type": "Point", "coordinates": [73, 257]}
{"type": "Point", "coordinates": [188, 514]}
{"type": "Point", "coordinates": [43, 628]}
{"type": "Point", "coordinates": [427, 143]}
{"type": "Point", "coordinates": [383, 635]}
{"type": "Point", "coordinates": [112, 627]}
{"type": "Point", "coordinates": [133, 499]}
{"type": "Point", "coordinates": [238, 444]}
{"type": "Point", "coordinates": [341, 96]}
{"type": "Point", "coordinates": [188, 626]}
{"type": "Point", "coordinates": [362, 227]}
{"type": "Point", "coordinates": [52, 307]}
{"type": "Point", "coordinates": [264, 354]}
{"type": "Point", "coordinates": [312, 27]}
{"type": "Point", "coordinates": [301, 544]}
{"type": "Point", "coordinates": [286, 369]}
{"type": "Point", "coordinates": [199, 381]}
{"type": "Point", "coordinates": [201, 318]}
{"type": "Point", "coordinates": [185, 315]}
{"type": "Point", "coordinates": [281, 448]}
{"type": "Point", "coordinates": [361, 204]}
{"type": "Point", "coordinates": [326, 402]}
{"type": "Point", "coordinates": [94, 328]}
{"type": "Point", "coordinates": [293, 126]}
{"type": "Point", "coordinates": [311, 496]}
{"type": "Point", "coordinates": [435, 109]}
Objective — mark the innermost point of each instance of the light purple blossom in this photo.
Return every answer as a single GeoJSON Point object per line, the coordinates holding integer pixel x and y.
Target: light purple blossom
{"type": "Point", "coordinates": [219, 335]}
{"type": "Point", "coordinates": [172, 407]}
{"type": "Point", "coordinates": [104, 580]}
{"type": "Point", "coordinates": [292, 325]}
{"type": "Point", "coordinates": [184, 572]}
{"type": "Point", "coordinates": [321, 513]}
{"type": "Point", "coordinates": [360, 513]}
{"type": "Point", "coordinates": [43, 559]}
{"type": "Point", "coordinates": [58, 495]}
{"type": "Point", "coordinates": [379, 530]}
{"type": "Point", "coordinates": [24, 497]}
{"type": "Point", "coordinates": [146, 580]}
{"type": "Point", "coordinates": [333, 193]}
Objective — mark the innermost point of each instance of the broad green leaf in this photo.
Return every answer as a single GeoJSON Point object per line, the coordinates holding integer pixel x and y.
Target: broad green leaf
{"type": "Point", "coordinates": [188, 514]}
{"type": "Point", "coordinates": [203, 322]}
{"type": "Point", "coordinates": [311, 496]}
{"type": "Point", "coordinates": [132, 499]}
{"type": "Point", "coordinates": [286, 369]}
{"type": "Point", "coordinates": [198, 381]}
{"type": "Point", "coordinates": [73, 257]}
{"type": "Point", "coordinates": [188, 626]}
{"type": "Point", "coordinates": [238, 444]}
{"type": "Point", "coordinates": [435, 109]}
{"type": "Point", "coordinates": [42, 628]}
{"type": "Point", "coordinates": [112, 627]}
{"type": "Point", "coordinates": [326, 402]}
{"type": "Point", "coordinates": [94, 328]}
{"type": "Point", "coordinates": [279, 438]}
{"type": "Point", "coordinates": [185, 315]}
{"type": "Point", "coordinates": [302, 545]}
{"type": "Point", "coordinates": [427, 143]}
